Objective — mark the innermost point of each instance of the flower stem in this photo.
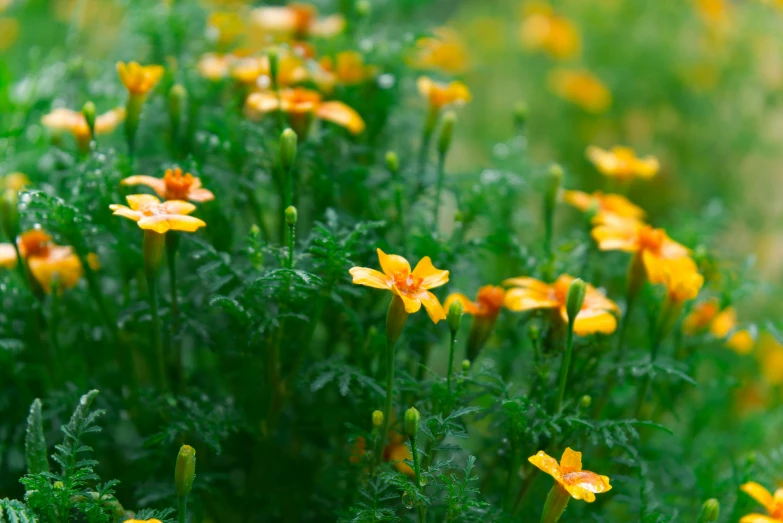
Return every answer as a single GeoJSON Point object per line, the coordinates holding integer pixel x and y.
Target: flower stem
{"type": "Point", "coordinates": [388, 405]}
{"type": "Point", "coordinates": [565, 365]}
{"type": "Point", "coordinates": [153, 253]}
{"type": "Point", "coordinates": [182, 509]}
{"type": "Point", "coordinates": [452, 347]}
{"type": "Point", "coordinates": [438, 190]}
{"type": "Point", "coordinates": [291, 240]}
{"type": "Point", "coordinates": [417, 473]}
{"type": "Point", "coordinates": [172, 244]}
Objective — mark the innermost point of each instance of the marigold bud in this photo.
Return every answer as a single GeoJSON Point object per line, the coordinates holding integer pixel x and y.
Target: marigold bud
{"type": "Point", "coordinates": [274, 66]}
{"type": "Point", "coordinates": [288, 148]}
{"type": "Point", "coordinates": [465, 365]}
{"type": "Point", "coordinates": [392, 162]}
{"type": "Point", "coordinates": [554, 179]}
{"type": "Point", "coordinates": [88, 110]}
{"type": "Point", "coordinates": [9, 213]}
{"type": "Point", "coordinates": [177, 99]}
{"type": "Point", "coordinates": [710, 511]}
{"type": "Point", "coordinates": [291, 215]}
{"type": "Point", "coordinates": [446, 132]}
{"type": "Point", "coordinates": [575, 298]}
{"type": "Point", "coordinates": [586, 401]}
{"type": "Point", "coordinates": [454, 317]}
{"type": "Point", "coordinates": [520, 114]}
{"type": "Point", "coordinates": [185, 470]}
{"type": "Point", "coordinates": [412, 420]}
{"type": "Point", "coordinates": [534, 333]}
{"type": "Point", "coordinates": [377, 418]}
{"type": "Point", "coordinates": [363, 8]}
{"type": "Point", "coordinates": [395, 320]}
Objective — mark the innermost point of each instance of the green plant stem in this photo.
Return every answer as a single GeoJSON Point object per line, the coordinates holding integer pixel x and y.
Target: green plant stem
{"type": "Point", "coordinates": [291, 240]}
{"type": "Point", "coordinates": [388, 405]}
{"type": "Point", "coordinates": [54, 343]}
{"type": "Point", "coordinates": [172, 244]}
{"type": "Point", "coordinates": [612, 381]}
{"type": "Point", "coordinates": [524, 488]}
{"type": "Point", "coordinates": [182, 509]}
{"type": "Point", "coordinates": [439, 190]}
{"type": "Point", "coordinates": [417, 473]}
{"type": "Point", "coordinates": [565, 365]}
{"type": "Point", "coordinates": [452, 347]}
{"type": "Point", "coordinates": [152, 284]}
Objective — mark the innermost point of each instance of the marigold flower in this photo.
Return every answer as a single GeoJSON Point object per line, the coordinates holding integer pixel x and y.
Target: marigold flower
{"type": "Point", "coordinates": [683, 282]}
{"type": "Point", "coordinates": [772, 503]}
{"type": "Point", "coordinates": [143, 521]}
{"type": "Point", "coordinates": [395, 451]}
{"type": "Point", "coordinates": [173, 186]}
{"type": "Point", "coordinates": [622, 163]}
{"type": "Point", "coordinates": [582, 88]}
{"type": "Point", "coordinates": [701, 317]}
{"type": "Point", "coordinates": [74, 122]}
{"type": "Point", "coordinates": [14, 182]}
{"type": "Point", "coordinates": [411, 286]}
{"type": "Point", "coordinates": [215, 66]}
{"type": "Point", "coordinates": [444, 51]}
{"type": "Point", "coordinates": [770, 354]}
{"type": "Point", "coordinates": [159, 217]}
{"type": "Point", "coordinates": [139, 79]}
{"type": "Point", "coordinates": [543, 30]}
{"type": "Point", "coordinates": [489, 301]}
{"type": "Point", "coordinates": [295, 20]}
{"type": "Point", "coordinates": [46, 260]}
{"type": "Point", "coordinates": [604, 203]}
{"type": "Point", "coordinates": [596, 315]}
{"type": "Point", "coordinates": [347, 68]}
{"type": "Point", "coordinates": [580, 484]}
{"type": "Point", "coordinates": [440, 95]}
{"type": "Point", "coordinates": [299, 104]}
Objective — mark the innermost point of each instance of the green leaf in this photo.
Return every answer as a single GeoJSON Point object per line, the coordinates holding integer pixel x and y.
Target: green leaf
{"type": "Point", "coordinates": [35, 443]}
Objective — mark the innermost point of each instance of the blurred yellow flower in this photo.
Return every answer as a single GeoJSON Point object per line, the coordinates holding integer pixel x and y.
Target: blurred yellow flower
{"type": "Point", "coordinates": [489, 301]}
{"type": "Point", "coordinates": [700, 317]}
{"type": "Point", "coordinates": [62, 120]}
{"type": "Point", "coordinates": [9, 32]}
{"type": "Point", "coordinates": [297, 21]}
{"type": "Point", "coordinates": [714, 12]}
{"type": "Point", "coordinates": [300, 104]}
{"type": "Point", "coordinates": [772, 503]}
{"type": "Point", "coordinates": [348, 68]}
{"type": "Point", "coordinates": [139, 79]}
{"type": "Point", "coordinates": [151, 214]}
{"type": "Point", "coordinates": [543, 30]}
{"type": "Point", "coordinates": [596, 315]}
{"type": "Point", "coordinates": [411, 286]}
{"type": "Point", "coordinates": [622, 163]}
{"type": "Point", "coordinates": [443, 51]}
{"type": "Point", "coordinates": [440, 95]}
{"type": "Point", "coordinates": [603, 203]}
{"type": "Point", "coordinates": [14, 182]}
{"type": "Point", "coordinates": [582, 88]}
{"type": "Point", "coordinates": [225, 27]}
{"type": "Point", "coordinates": [682, 280]}
{"type": "Point", "coordinates": [256, 71]}
{"type": "Point", "coordinates": [722, 324]}
{"type": "Point", "coordinates": [396, 452]}
{"type": "Point", "coordinates": [173, 186]}
{"type": "Point", "coordinates": [770, 355]}
{"type": "Point", "coordinates": [580, 484]}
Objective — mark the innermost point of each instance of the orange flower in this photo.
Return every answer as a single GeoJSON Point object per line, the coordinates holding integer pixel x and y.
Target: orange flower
{"type": "Point", "coordinates": [412, 286]}
{"type": "Point", "coordinates": [622, 163]}
{"type": "Point", "coordinates": [722, 324]}
{"type": "Point", "coordinates": [489, 301]}
{"type": "Point", "coordinates": [683, 282]}
{"type": "Point", "coordinates": [139, 79]}
{"type": "Point", "coordinates": [653, 246]}
{"type": "Point", "coordinates": [152, 215]}
{"type": "Point", "coordinates": [440, 95]}
{"type": "Point", "coordinates": [173, 186]}
{"type": "Point", "coordinates": [300, 104]}
{"type": "Point", "coordinates": [444, 51]}
{"type": "Point", "coordinates": [582, 88]}
{"type": "Point", "coordinates": [700, 317]}
{"type": "Point", "coordinates": [256, 71]}
{"type": "Point", "coordinates": [597, 310]}
{"type": "Point", "coordinates": [215, 66]}
{"type": "Point", "coordinates": [295, 20]}
{"type": "Point", "coordinates": [14, 182]}
{"type": "Point", "coordinates": [348, 68]}
{"type": "Point", "coordinates": [772, 503]}
{"type": "Point", "coordinates": [46, 261]}
{"type": "Point", "coordinates": [74, 122]}
{"type": "Point", "coordinates": [543, 30]}
{"type": "Point", "coordinates": [580, 484]}
{"type": "Point", "coordinates": [395, 451]}
{"type": "Point", "coordinates": [604, 203]}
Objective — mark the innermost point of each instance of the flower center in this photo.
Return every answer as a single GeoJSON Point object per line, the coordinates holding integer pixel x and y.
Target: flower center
{"type": "Point", "coordinates": [406, 283]}
{"type": "Point", "coordinates": [490, 300]}
{"type": "Point", "coordinates": [177, 185]}
{"type": "Point", "coordinates": [651, 239]}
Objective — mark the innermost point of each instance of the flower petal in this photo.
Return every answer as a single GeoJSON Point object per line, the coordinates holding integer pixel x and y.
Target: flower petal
{"type": "Point", "coordinates": [528, 283]}
{"type": "Point", "coordinates": [520, 299]}
{"type": "Point", "coordinates": [432, 306]}
{"type": "Point", "coordinates": [412, 304]}
{"type": "Point", "coordinates": [591, 321]}
{"type": "Point", "coordinates": [547, 464]}
{"type": "Point", "coordinates": [430, 276]}
{"type": "Point", "coordinates": [585, 485]}
{"type": "Point", "coordinates": [342, 115]}
{"type": "Point", "coordinates": [200, 195]}
{"type": "Point", "coordinates": [571, 461]}
{"type": "Point", "coordinates": [7, 256]}
{"type": "Point", "coordinates": [177, 207]}
{"type": "Point", "coordinates": [185, 223]}
{"type": "Point", "coordinates": [468, 307]}
{"type": "Point", "coordinates": [758, 518]}
{"type": "Point", "coordinates": [156, 184]}
{"type": "Point", "coordinates": [370, 278]}
{"type": "Point", "coordinates": [261, 103]}
{"type": "Point", "coordinates": [393, 264]}
{"type": "Point", "coordinates": [137, 201]}
{"type": "Point", "coordinates": [758, 492]}
{"type": "Point", "coordinates": [159, 223]}
{"type": "Point", "coordinates": [121, 210]}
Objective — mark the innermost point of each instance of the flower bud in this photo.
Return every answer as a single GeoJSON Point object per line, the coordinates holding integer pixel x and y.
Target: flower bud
{"type": "Point", "coordinates": [88, 110]}
{"type": "Point", "coordinates": [392, 162]}
{"type": "Point", "coordinates": [177, 99]}
{"type": "Point", "coordinates": [575, 298]}
{"type": "Point", "coordinates": [465, 365]}
{"type": "Point", "coordinates": [520, 114]}
{"type": "Point", "coordinates": [554, 178]}
{"type": "Point", "coordinates": [9, 214]}
{"type": "Point", "coordinates": [185, 470]}
{"type": "Point", "coordinates": [291, 215]}
{"type": "Point", "coordinates": [454, 317]}
{"type": "Point", "coordinates": [377, 419]}
{"type": "Point", "coordinates": [412, 420]}
{"type": "Point", "coordinates": [288, 148]}
{"type": "Point", "coordinates": [395, 320]}
{"type": "Point", "coordinates": [534, 333]}
{"type": "Point", "coordinates": [446, 132]}
{"type": "Point", "coordinates": [586, 401]}
{"type": "Point", "coordinates": [274, 66]}
{"type": "Point", "coordinates": [709, 511]}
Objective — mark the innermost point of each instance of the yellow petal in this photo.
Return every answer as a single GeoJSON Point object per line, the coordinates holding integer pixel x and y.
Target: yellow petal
{"type": "Point", "coordinates": [136, 201]}
{"type": "Point", "coordinates": [156, 184]}
{"type": "Point", "coordinates": [60, 263]}
{"type": "Point", "coordinates": [741, 342]}
{"type": "Point", "coordinates": [200, 195]}
{"type": "Point", "coordinates": [520, 299]}
{"type": "Point", "coordinates": [614, 239]}
{"type": "Point", "coordinates": [261, 103]}
{"type": "Point", "coordinates": [585, 485]}
{"type": "Point", "coordinates": [430, 276]}
{"type": "Point", "coordinates": [580, 200]}
{"type": "Point", "coordinates": [591, 321]}
{"type": "Point", "coordinates": [121, 210]}
{"type": "Point", "coordinates": [758, 518]}
{"type": "Point", "coordinates": [468, 307]}
{"type": "Point", "coordinates": [724, 322]}
{"type": "Point", "coordinates": [157, 223]}
{"type": "Point", "coordinates": [342, 115]}
{"type": "Point", "coordinates": [412, 304]}
{"type": "Point", "coordinates": [431, 305]}
{"type": "Point", "coordinates": [393, 264]}
{"type": "Point", "coordinates": [185, 223]}
{"type": "Point", "coordinates": [758, 492]}
{"type": "Point", "coordinates": [547, 464]}
{"type": "Point", "coordinates": [571, 461]}
{"type": "Point", "coordinates": [177, 207]}
{"type": "Point", "coordinates": [370, 278]}
{"type": "Point", "coordinates": [7, 256]}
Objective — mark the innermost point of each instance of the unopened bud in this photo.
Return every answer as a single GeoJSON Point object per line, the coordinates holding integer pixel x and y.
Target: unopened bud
{"type": "Point", "coordinates": [177, 99]}
{"type": "Point", "coordinates": [586, 401]}
{"type": "Point", "coordinates": [446, 132]}
{"type": "Point", "coordinates": [9, 213]}
{"type": "Point", "coordinates": [185, 470]}
{"type": "Point", "coordinates": [377, 418]}
{"type": "Point", "coordinates": [363, 8]}
{"type": "Point", "coordinates": [534, 333]}
{"type": "Point", "coordinates": [710, 511]}
{"type": "Point", "coordinates": [459, 216]}
{"type": "Point", "coordinates": [465, 365]}
{"type": "Point", "coordinates": [288, 148]}
{"type": "Point", "coordinates": [392, 162]}
{"type": "Point", "coordinates": [520, 114]}
{"type": "Point", "coordinates": [274, 65]}
{"type": "Point", "coordinates": [88, 110]}
{"type": "Point", "coordinates": [291, 215]}
{"type": "Point", "coordinates": [554, 178]}
{"type": "Point", "coordinates": [454, 317]}
{"type": "Point", "coordinates": [575, 298]}
{"type": "Point", "coordinates": [412, 420]}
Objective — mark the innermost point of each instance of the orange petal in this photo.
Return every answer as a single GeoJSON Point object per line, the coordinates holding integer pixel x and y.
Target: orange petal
{"type": "Point", "coordinates": [430, 276]}
{"type": "Point", "coordinates": [595, 299]}
{"type": "Point", "coordinates": [200, 195]}
{"type": "Point", "coordinates": [7, 256]}
{"type": "Point", "coordinates": [140, 200]}
{"type": "Point", "coordinates": [121, 210]}
{"type": "Point", "coordinates": [178, 207]}
{"type": "Point", "coordinates": [520, 299]}
{"type": "Point", "coordinates": [759, 493]}
{"type": "Point", "coordinates": [528, 283]}
{"type": "Point", "coordinates": [393, 264]}
{"type": "Point", "coordinates": [585, 485]}
{"type": "Point", "coordinates": [590, 321]}
{"type": "Point", "coordinates": [258, 104]}
{"type": "Point", "coordinates": [397, 454]}
{"type": "Point", "coordinates": [580, 200]}
{"type": "Point", "coordinates": [468, 307]}
{"type": "Point", "coordinates": [571, 461]}
{"type": "Point", "coordinates": [432, 306]}
{"type": "Point", "coordinates": [156, 184]}
{"type": "Point", "coordinates": [547, 464]}
{"type": "Point", "coordinates": [342, 115]}
{"type": "Point", "coordinates": [614, 239]}
{"type": "Point", "coordinates": [370, 278]}
{"type": "Point", "coordinates": [758, 518]}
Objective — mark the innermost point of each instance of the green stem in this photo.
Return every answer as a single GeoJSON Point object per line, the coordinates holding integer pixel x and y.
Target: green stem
{"type": "Point", "coordinates": [172, 244]}
{"type": "Point", "coordinates": [291, 239]}
{"type": "Point", "coordinates": [182, 509]}
{"type": "Point", "coordinates": [152, 284]}
{"type": "Point", "coordinates": [452, 347]}
{"type": "Point", "coordinates": [54, 320]}
{"type": "Point", "coordinates": [565, 365]}
{"type": "Point", "coordinates": [388, 405]}
{"type": "Point", "coordinates": [438, 190]}
{"type": "Point", "coordinates": [417, 473]}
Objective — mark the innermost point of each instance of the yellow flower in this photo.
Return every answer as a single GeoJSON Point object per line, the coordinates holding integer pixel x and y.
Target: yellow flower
{"type": "Point", "coordinates": [139, 79]}
{"type": "Point", "coordinates": [683, 282]}
{"type": "Point", "coordinates": [299, 104]}
{"type": "Point", "coordinates": [348, 68]}
{"type": "Point", "coordinates": [297, 21]}
{"type": "Point", "coordinates": [411, 286]}
{"type": "Point", "coordinates": [9, 32]}
{"type": "Point", "coordinates": [741, 341]}
{"type": "Point", "coordinates": [653, 246]}
{"type": "Point", "coordinates": [770, 353]}
{"type": "Point", "coordinates": [152, 215]}
{"type": "Point", "coordinates": [582, 88]}
{"type": "Point", "coordinates": [603, 203]}
{"type": "Point", "coordinates": [489, 301]}
{"type": "Point", "coordinates": [173, 186]}
{"type": "Point", "coordinates": [701, 317]}
{"type": "Point", "coordinates": [215, 66]}
{"type": "Point", "coordinates": [444, 51]}
{"type": "Point", "coordinates": [74, 122]}
{"type": "Point", "coordinates": [46, 260]}
{"type": "Point", "coordinates": [225, 27]}
{"type": "Point", "coordinates": [440, 95]}
{"type": "Point", "coordinates": [14, 182]}
{"type": "Point", "coordinates": [543, 30]}
{"type": "Point", "coordinates": [772, 503]}
{"type": "Point", "coordinates": [580, 484]}
{"type": "Point", "coordinates": [395, 451]}
{"type": "Point", "coordinates": [722, 324]}
{"type": "Point", "coordinates": [597, 313]}
{"type": "Point", "coordinates": [622, 163]}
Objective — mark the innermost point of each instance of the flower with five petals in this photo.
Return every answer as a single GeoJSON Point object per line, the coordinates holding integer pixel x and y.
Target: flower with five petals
{"type": "Point", "coordinates": [773, 503]}
{"type": "Point", "coordinates": [152, 215]}
{"type": "Point", "coordinates": [173, 186]}
{"type": "Point", "coordinates": [568, 474]}
{"type": "Point", "coordinates": [622, 163]}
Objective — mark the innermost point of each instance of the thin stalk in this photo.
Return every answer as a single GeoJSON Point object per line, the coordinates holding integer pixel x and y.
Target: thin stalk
{"type": "Point", "coordinates": [291, 240]}
{"type": "Point", "coordinates": [157, 344]}
{"type": "Point", "coordinates": [426, 138]}
{"type": "Point", "coordinates": [566, 364]}
{"type": "Point", "coordinates": [452, 348]}
{"type": "Point", "coordinates": [172, 244]}
{"type": "Point", "coordinates": [182, 509]}
{"type": "Point", "coordinates": [438, 190]}
{"type": "Point", "coordinates": [417, 472]}
{"type": "Point", "coordinates": [388, 405]}
{"type": "Point", "coordinates": [54, 320]}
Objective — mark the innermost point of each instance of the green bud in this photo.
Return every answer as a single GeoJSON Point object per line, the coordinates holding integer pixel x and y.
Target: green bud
{"type": "Point", "coordinates": [59, 484]}
{"type": "Point", "coordinates": [377, 419]}
{"type": "Point", "coordinates": [465, 365]}
{"type": "Point", "coordinates": [459, 216]}
{"type": "Point", "coordinates": [751, 458]}
{"type": "Point", "coordinates": [575, 298]}
{"type": "Point", "coordinates": [185, 470]}
{"type": "Point", "coordinates": [88, 110]}
{"type": "Point", "coordinates": [586, 401]}
{"type": "Point", "coordinates": [363, 8]}
{"type": "Point", "coordinates": [392, 162]}
{"type": "Point", "coordinates": [520, 114]}
{"type": "Point", "coordinates": [274, 66]}
{"type": "Point", "coordinates": [177, 99]}
{"type": "Point", "coordinates": [412, 420]}
{"type": "Point", "coordinates": [454, 317]}
{"type": "Point", "coordinates": [554, 178]}
{"type": "Point", "coordinates": [9, 214]}
{"type": "Point", "coordinates": [288, 148]}
{"type": "Point", "coordinates": [291, 215]}
{"type": "Point", "coordinates": [446, 132]}
{"type": "Point", "coordinates": [395, 320]}
{"type": "Point", "coordinates": [710, 511]}
{"type": "Point", "coordinates": [534, 333]}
